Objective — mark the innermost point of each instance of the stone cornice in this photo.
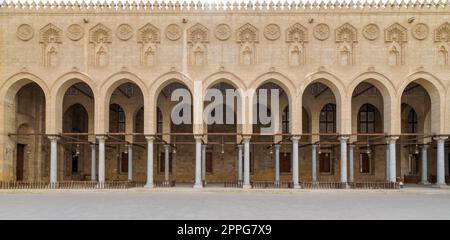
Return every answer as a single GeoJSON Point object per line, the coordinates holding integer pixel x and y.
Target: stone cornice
{"type": "Point", "coordinates": [229, 7]}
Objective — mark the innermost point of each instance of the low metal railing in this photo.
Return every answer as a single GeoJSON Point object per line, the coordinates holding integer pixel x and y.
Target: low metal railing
{"type": "Point", "coordinates": [323, 185]}
{"type": "Point", "coordinates": [70, 185]}
{"type": "Point", "coordinates": [168, 184]}
{"type": "Point", "coordinates": [374, 185]}
{"type": "Point", "coordinates": [233, 184]}
{"type": "Point", "coordinates": [271, 184]}
{"type": "Point", "coordinates": [164, 184]}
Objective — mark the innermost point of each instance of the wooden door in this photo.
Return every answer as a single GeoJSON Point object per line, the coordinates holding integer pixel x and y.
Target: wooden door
{"type": "Point", "coordinates": [285, 162]}
{"type": "Point", "coordinates": [365, 163]}
{"type": "Point", "coordinates": [324, 163]}
{"type": "Point", "coordinates": [124, 163]}
{"type": "Point", "coordinates": [209, 162]}
{"type": "Point", "coordinates": [19, 162]}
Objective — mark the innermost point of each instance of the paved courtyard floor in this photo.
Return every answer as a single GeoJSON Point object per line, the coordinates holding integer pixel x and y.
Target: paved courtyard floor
{"type": "Point", "coordinates": [190, 204]}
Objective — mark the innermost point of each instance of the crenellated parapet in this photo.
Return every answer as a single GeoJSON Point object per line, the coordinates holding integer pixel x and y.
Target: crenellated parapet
{"type": "Point", "coordinates": [231, 6]}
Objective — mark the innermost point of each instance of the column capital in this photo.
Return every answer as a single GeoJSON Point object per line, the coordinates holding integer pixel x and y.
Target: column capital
{"type": "Point", "coordinates": [343, 138]}
{"type": "Point", "coordinates": [204, 146]}
{"type": "Point", "coordinates": [166, 146]}
{"type": "Point", "coordinates": [246, 137]}
{"type": "Point", "coordinates": [440, 137]}
{"type": "Point", "coordinates": [391, 139]}
{"type": "Point", "coordinates": [198, 137]}
{"type": "Point", "coordinates": [150, 139]}
{"type": "Point", "coordinates": [240, 146]}
{"type": "Point", "coordinates": [277, 146]}
{"type": "Point", "coordinates": [351, 146]}
{"type": "Point", "coordinates": [295, 138]}
{"type": "Point", "coordinates": [101, 137]}
{"type": "Point", "coordinates": [54, 137]}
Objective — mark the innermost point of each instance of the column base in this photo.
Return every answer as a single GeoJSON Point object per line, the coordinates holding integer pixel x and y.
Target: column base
{"type": "Point", "coordinates": [198, 186]}
{"type": "Point", "coordinates": [149, 185]}
{"type": "Point", "coordinates": [101, 185]}
{"type": "Point", "coordinates": [246, 186]}
{"type": "Point", "coordinates": [425, 183]}
{"type": "Point", "coordinates": [440, 185]}
{"type": "Point", "coordinates": [297, 186]}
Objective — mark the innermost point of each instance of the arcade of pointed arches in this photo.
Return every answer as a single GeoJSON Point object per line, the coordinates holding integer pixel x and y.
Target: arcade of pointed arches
{"type": "Point", "coordinates": [368, 130]}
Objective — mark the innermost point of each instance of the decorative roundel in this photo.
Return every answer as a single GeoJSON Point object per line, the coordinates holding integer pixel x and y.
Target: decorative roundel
{"type": "Point", "coordinates": [124, 32]}
{"type": "Point", "coordinates": [223, 32]}
{"type": "Point", "coordinates": [25, 32]}
{"type": "Point", "coordinates": [420, 31]}
{"type": "Point", "coordinates": [272, 32]}
{"type": "Point", "coordinates": [75, 32]}
{"type": "Point", "coordinates": [173, 32]}
{"type": "Point", "coordinates": [321, 31]}
{"type": "Point", "coordinates": [371, 31]}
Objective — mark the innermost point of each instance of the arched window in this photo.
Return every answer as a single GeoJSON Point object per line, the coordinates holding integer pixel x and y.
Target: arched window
{"type": "Point", "coordinates": [412, 121]}
{"type": "Point", "coordinates": [367, 118]}
{"type": "Point", "coordinates": [327, 119]}
{"type": "Point", "coordinates": [285, 120]}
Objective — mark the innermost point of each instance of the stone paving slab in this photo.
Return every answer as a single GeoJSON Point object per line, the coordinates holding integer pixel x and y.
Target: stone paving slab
{"type": "Point", "coordinates": [150, 204]}
{"type": "Point", "coordinates": [184, 203]}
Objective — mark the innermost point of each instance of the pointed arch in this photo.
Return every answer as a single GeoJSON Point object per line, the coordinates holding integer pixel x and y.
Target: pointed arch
{"type": "Point", "coordinates": [106, 90]}
{"type": "Point", "coordinates": [436, 91]}
{"type": "Point", "coordinates": [390, 100]}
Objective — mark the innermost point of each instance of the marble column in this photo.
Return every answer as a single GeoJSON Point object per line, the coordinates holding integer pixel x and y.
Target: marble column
{"type": "Point", "coordinates": [204, 163]}
{"type": "Point", "coordinates": [314, 163]}
{"type": "Point", "coordinates": [130, 162]}
{"type": "Point", "coordinates": [387, 161]}
{"type": "Point", "coordinates": [277, 163]}
{"type": "Point", "coordinates": [246, 183]}
{"type": "Point", "coordinates": [198, 162]}
{"type": "Point", "coordinates": [166, 162]}
{"type": "Point", "coordinates": [53, 160]}
{"type": "Point", "coordinates": [149, 183]}
{"type": "Point", "coordinates": [343, 150]}
{"type": "Point", "coordinates": [424, 159]}
{"type": "Point", "coordinates": [101, 160]}
{"type": "Point", "coordinates": [295, 174]}
{"type": "Point", "coordinates": [392, 159]}
{"type": "Point", "coordinates": [351, 169]}
{"type": "Point", "coordinates": [440, 161]}
{"type": "Point", "coordinates": [240, 162]}
{"type": "Point", "coordinates": [93, 162]}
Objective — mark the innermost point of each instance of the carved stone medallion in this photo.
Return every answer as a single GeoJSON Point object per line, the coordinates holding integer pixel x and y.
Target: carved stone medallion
{"type": "Point", "coordinates": [25, 32]}
{"type": "Point", "coordinates": [173, 32]}
{"type": "Point", "coordinates": [272, 32]}
{"type": "Point", "coordinates": [75, 32]}
{"type": "Point", "coordinates": [371, 31]}
{"type": "Point", "coordinates": [124, 32]}
{"type": "Point", "coordinates": [222, 32]}
{"type": "Point", "coordinates": [420, 31]}
{"type": "Point", "coordinates": [321, 31]}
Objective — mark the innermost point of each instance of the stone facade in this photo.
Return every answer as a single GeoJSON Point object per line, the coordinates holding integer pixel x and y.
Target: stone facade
{"type": "Point", "coordinates": [52, 57]}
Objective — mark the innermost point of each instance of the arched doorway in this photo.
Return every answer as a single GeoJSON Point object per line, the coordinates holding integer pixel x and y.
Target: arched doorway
{"type": "Point", "coordinates": [77, 133]}
{"type": "Point", "coordinates": [370, 148]}
{"type": "Point", "coordinates": [25, 119]}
